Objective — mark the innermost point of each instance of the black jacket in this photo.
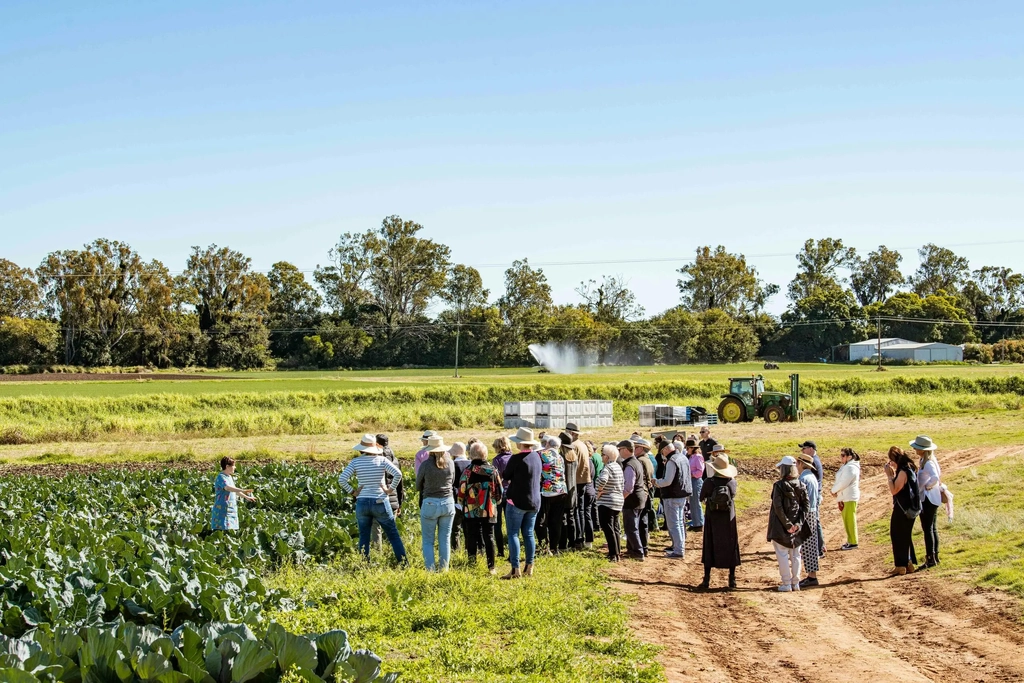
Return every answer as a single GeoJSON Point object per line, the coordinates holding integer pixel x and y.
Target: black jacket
{"type": "Point", "coordinates": [789, 507]}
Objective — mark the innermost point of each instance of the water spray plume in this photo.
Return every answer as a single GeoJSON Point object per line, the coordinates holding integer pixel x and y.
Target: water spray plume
{"type": "Point", "coordinates": [561, 359]}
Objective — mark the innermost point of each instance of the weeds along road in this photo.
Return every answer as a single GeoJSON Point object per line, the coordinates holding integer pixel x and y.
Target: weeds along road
{"type": "Point", "coordinates": [858, 626]}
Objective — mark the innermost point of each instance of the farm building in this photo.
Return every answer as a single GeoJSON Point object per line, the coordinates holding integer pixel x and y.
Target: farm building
{"type": "Point", "coordinates": [896, 348]}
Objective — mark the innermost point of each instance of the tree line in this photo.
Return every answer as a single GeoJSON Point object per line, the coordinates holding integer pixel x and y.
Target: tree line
{"type": "Point", "coordinates": [392, 297]}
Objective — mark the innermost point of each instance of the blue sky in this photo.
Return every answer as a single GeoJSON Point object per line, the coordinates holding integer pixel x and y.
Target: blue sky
{"type": "Point", "coordinates": [559, 132]}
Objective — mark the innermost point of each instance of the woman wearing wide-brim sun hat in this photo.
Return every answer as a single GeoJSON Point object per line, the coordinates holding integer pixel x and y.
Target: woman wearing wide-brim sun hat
{"type": "Point", "coordinates": [523, 473]}
{"type": "Point", "coordinates": [721, 537]}
{"type": "Point", "coordinates": [370, 469]}
{"type": "Point", "coordinates": [928, 481]}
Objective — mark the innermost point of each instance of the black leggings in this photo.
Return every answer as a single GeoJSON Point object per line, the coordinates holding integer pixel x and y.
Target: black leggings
{"type": "Point", "coordinates": [499, 536]}
{"type": "Point", "coordinates": [931, 534]}
{"type": "Point", "coordinates": [901, 532]}
{"type": "Point", "coordinates": [609, 520]}
{"type": "Point", "coordinates": [480, 535]}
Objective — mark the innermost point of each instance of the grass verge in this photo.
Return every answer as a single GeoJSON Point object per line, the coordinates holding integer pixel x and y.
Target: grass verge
{"type": "Point", "coordinates": [564, 624]}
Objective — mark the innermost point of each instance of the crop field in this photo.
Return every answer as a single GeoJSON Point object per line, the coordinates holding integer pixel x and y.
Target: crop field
{"type": "Point", "coordinates": [108, 570]}
{"type": "Point", "coordinates": [343, 403]}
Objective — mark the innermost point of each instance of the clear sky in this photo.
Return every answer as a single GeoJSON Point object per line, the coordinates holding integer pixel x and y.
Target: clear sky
{"type": "Point", "coordinates": [565, 131]}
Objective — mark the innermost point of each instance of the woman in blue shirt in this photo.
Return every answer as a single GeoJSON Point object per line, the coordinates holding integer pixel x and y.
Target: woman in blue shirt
{"type": "Point", "coordinates": [224, 515]}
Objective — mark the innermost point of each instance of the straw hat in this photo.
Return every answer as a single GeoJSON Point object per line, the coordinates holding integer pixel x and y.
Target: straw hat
{"type": "Point", "coordinates": [923, 443]}
{"type": "Point", "coordinates": [804, 458]}
{"type": "Point", "coordinates": [720, 465]}
{"type": "Point", "coordinates": [719, 448]}
{"type": "Point", "coordinates": [368, 445]}
{"type": "Point", "coordinates": [435, 444]}
{"type": "Point", "coordinates": [427, 434]}
{"type": "Point", "coordinates": [524, 437]}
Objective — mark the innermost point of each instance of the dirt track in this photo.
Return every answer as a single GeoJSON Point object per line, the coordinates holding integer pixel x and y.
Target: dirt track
{"type": "Point", "coordinates": [858, 626]}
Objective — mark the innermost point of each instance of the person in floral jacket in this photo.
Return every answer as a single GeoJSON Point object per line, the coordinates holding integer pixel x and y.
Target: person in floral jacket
{"type": "Point", "coordinates": [480, 494]}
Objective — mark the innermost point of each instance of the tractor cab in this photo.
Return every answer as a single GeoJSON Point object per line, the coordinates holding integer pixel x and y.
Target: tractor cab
{"type": "Point", "coordinates": [748, 389]}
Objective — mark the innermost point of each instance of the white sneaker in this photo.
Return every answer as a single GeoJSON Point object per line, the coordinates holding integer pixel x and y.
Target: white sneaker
{"type": "Point", "coordinates": [796, 587]}
{"type": "Point", "coordinates": [785, 588]}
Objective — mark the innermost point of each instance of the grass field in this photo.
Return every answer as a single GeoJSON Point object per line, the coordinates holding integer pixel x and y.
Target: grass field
{"type": "Point", "coordinates": [340, 403]}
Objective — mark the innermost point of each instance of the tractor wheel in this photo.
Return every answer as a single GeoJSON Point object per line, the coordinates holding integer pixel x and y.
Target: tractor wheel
{"type": "Point", "coordinates": [774, 414]}
{"type": "Point", "coordinates": [732, 410]}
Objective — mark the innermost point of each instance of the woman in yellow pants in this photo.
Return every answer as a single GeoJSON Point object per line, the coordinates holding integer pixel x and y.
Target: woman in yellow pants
{"type": "Point", "coordinates": [847, 491]}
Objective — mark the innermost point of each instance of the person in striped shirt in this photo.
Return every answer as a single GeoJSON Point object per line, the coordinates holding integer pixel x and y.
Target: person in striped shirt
{"type": "Point", "coordinates": [371, 492]}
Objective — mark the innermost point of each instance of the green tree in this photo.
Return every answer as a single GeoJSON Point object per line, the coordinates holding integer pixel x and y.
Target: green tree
{"type": "Point", "coordinates": [385, 279]}
{"type": "Point", "coordinates": [720, 280]}
{"type": "Point", "coordinates": [995, 295]}
{"type": "Point", "coordinates": [818, 265]}
{"type": "Point", "coordinates": [19, 292]}
{"type": "Point", "coordinates": [293, 311]}
{"type": "Point", "coordinates": [525, 308]}
{"type": "Point", "coordinates": [815, 324]}
{"type": "Point", "coordinates": [677, 333]}
{"type": "Point", "coordinates": [102, 295]}
{"type": "Point", "coordinates": [940, 270]}
{"type": "Point", "coordinates": [24, 341]}
{"type": "Point", "coordinates": [722, 339]}
{"type": "Point", "coordinates": [610, 301]}
{"type": "Point", "coordinates": [230, 302]}
{"type": "Point", "coordinates": [934, 318]}
{"type": "Point", "coordinates": [875, 277]}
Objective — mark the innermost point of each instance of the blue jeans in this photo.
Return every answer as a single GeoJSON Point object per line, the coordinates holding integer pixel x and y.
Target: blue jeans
{"type": "Point", "coordinates": [516, 520]}
{"type": "Point", "coordinates": [368, 510]}
{"type": "Point", "coordinates": [696, 512]}
{"type": "Point", "coordinates": [676, 523]}
{"type": "Point", "coordinates": [436, 515]}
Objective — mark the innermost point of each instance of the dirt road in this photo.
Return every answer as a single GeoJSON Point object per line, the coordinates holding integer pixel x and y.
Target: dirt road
{"type": "Point", "coordinates": [858, 626]}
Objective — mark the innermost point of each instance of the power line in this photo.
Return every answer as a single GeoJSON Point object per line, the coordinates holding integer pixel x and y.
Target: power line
{"type": "Point", "coordinates": [554, 264]}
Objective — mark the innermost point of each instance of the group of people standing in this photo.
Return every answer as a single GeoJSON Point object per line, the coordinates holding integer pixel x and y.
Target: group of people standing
{"type": "Point", "coordinates": [556, 492]}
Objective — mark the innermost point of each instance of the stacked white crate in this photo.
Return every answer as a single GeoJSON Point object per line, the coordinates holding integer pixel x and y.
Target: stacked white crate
{"type": "Point", "coordinates": [520, 414]}
{"type": "Point", "coordinates": [551, 415]}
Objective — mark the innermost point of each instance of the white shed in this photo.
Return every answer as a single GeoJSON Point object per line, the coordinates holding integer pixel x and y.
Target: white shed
{"type": "Point", "coordinates": [869, 347]}
{"type": "Point", "coordinates": [929, 352]}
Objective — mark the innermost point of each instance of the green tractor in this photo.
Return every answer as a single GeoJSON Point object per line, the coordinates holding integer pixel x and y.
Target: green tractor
{"type": "Point", "coordinates": [747, 399]}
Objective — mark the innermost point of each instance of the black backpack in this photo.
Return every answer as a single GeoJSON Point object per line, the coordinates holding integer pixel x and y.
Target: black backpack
{"type": "Point", "coordinates": [913, 507]}
{"type": "Point", "coordinates": [720, 500]}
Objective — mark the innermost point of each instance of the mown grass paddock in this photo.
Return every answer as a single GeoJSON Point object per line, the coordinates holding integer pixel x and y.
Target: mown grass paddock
{"type": "Point", "coordinates": [324, 403]}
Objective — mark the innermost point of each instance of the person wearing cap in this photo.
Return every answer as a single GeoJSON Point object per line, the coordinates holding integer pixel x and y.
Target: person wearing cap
{"type": "Point", "coordinates": [585, 512]}
{"type": "Point", "coordinates": [423, 453]}
{"type": "Point", "coordinates": [675, 488]}
{"type": "Point", "coordinates": [696, 461]}
{"type": "Point", "coordinates": [397, 495]}
{"type": "Point", "coordinates": [787, 527]}
{"type": "Point", "coordinates": [480, 494]}
{"type": "Point", "coordinates": [846, 491]}
{"type": "Point", "coordinates": [721, 536]}
{"type": "Point", "coordinates": [370, 469]}
{"type": "Point", "coordinates": [609, 499]}
{"type": "Point", "coordinates": [634, 493]}
{"type": "Point", "coordinates": [502, 453]}
{"type": "Point", "coordinates": [809, 549]}
{"type": "Point", "coordinates": [522, 472]}
{"type": "Point", "coordinates": [928, 481]}
{"type": "Point", "coordinates": [435, 482]}
{"type": "Point", "coordinates": [648, 521]}
{"type": "Point", "coordinates": [553, 493]}
{"type": "Point", "coordinates": [811, 448]}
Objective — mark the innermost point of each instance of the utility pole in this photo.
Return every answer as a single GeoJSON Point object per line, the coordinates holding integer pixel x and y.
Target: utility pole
{"type": "Point", "coordinates": [458, 331]}
{"type": "Point", "coordinates": [878, 327]}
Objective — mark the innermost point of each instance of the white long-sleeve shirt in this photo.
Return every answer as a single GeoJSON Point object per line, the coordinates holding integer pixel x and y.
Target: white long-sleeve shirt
{"type": "Point", "coordinates": [928, 482]}
{"type": "Point", "coordinates": [847, 486]}
{"type": "Point", "coordinates": [369, 471]}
